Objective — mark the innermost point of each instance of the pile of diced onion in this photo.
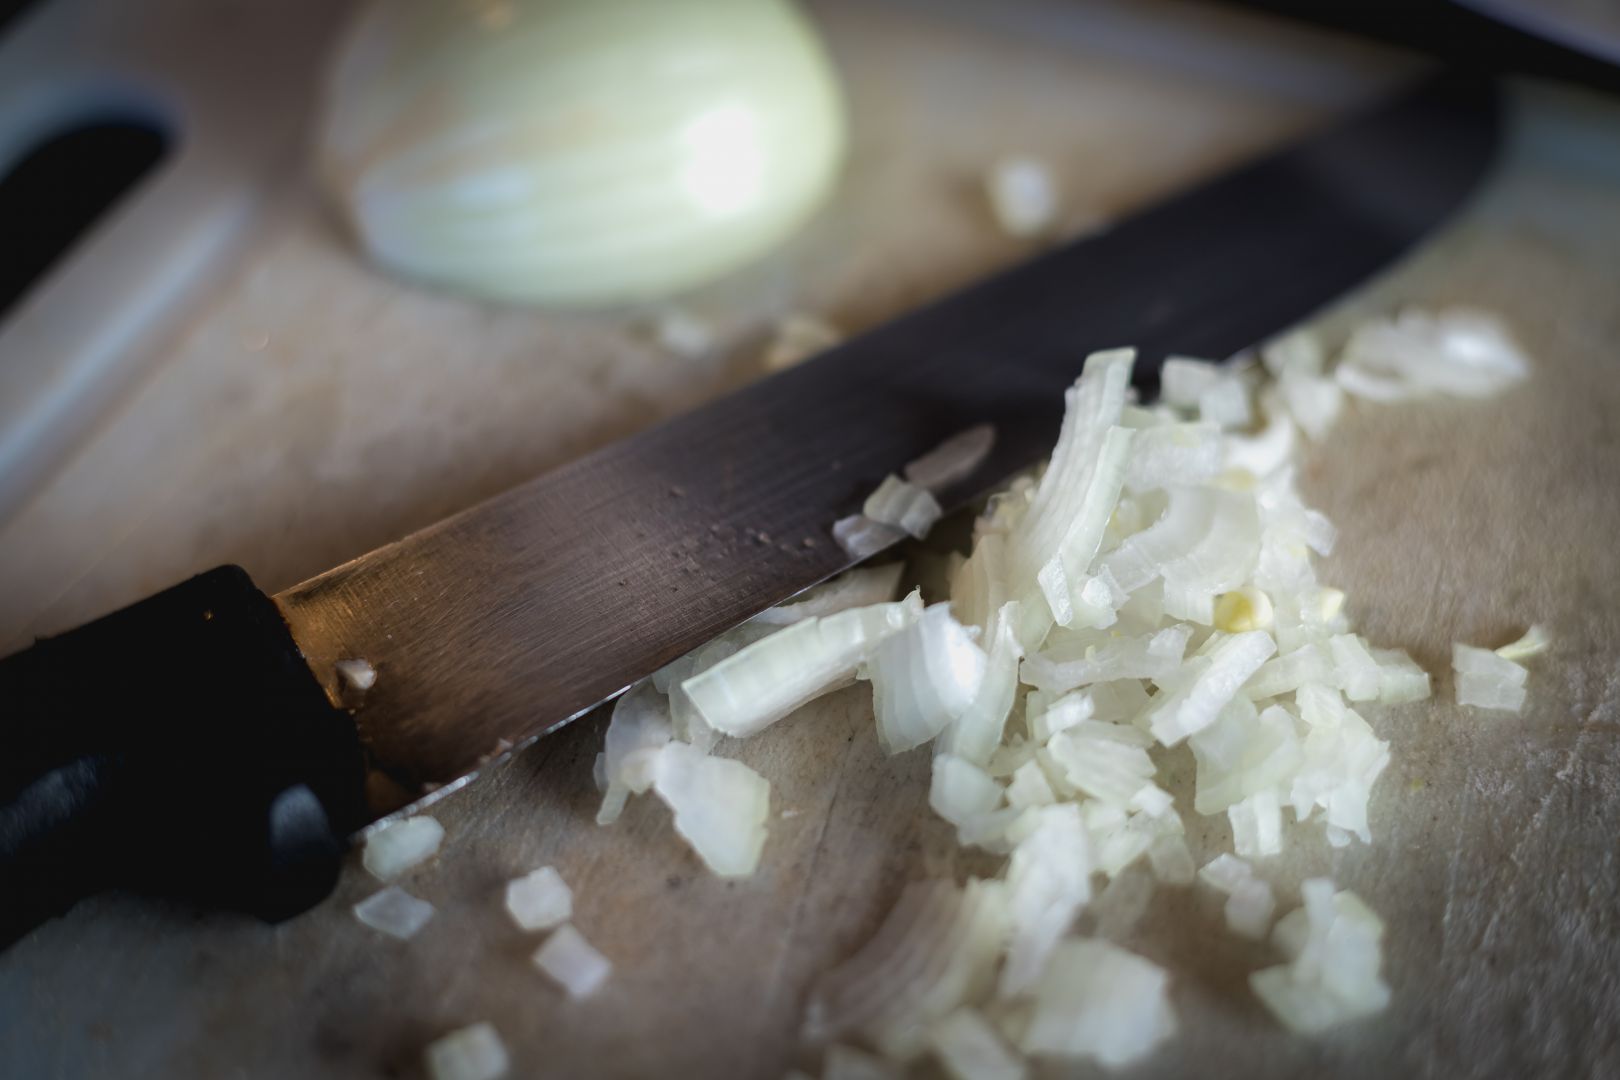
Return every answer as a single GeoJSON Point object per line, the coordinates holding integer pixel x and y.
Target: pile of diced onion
{"type": "Point", "coordinates": [1152, 586]}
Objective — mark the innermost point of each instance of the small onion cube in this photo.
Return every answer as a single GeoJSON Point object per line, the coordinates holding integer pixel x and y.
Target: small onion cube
{"type": "Point", "coordinates": [860, 536]}
{"type": "Point", "coordinates": [1023, 196]}
{"type": "Point", "coordinates": [396, 848]}
{"type": "Point", "coordinates": [395, 912]}
{"type": "Point", "coordinates": [961, 791]}
{"type": "Point", "coordinates": [1226, 872]}
{"type": "Point", "coordinates": [902, 505]}
{"type": "Point", "coordinates": [1256, 825]}
{"type": "Point", "coordinates": [572, 963]}
{"type": "Point", "coordinates": [470, 1053]}
{"type": "Point", "coordinates": [540, 900]}
{"type": "Point", "coordinates": [1249, 909]}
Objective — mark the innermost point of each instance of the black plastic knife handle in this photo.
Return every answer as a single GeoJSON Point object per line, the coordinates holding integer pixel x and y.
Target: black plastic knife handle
{"type": "Point", "coordinates": [181, 747]}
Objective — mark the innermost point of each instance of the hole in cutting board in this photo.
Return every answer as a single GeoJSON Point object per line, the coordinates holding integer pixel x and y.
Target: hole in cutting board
{"type": "Point", "coordinates": [62, 185]}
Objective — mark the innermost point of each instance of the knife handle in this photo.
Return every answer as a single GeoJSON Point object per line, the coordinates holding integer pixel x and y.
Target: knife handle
{"type": "Point", "coordinates": [180, 746]}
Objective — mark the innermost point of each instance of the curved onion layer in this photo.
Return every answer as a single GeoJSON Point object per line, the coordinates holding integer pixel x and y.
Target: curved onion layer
{"type": "Point", "coordinates": [936, 950]}
{"type": "Point", "coordinates": [568, 151]}
{"type": "Point", "coordinates": [757, 686]}
{"type": "Point", "coordinates": [924, 677]}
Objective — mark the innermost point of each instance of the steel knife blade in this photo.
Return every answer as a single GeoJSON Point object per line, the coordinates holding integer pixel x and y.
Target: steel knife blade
{"type": "Point", "coordinates": [510, 619]}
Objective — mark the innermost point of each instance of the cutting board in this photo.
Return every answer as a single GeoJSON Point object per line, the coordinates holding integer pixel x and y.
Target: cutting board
{"type": "Point", "coordinates": [313, 409]}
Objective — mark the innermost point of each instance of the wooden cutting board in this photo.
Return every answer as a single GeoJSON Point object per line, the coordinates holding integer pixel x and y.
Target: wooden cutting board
{"type": "Point", "coordinates": [315, 410]}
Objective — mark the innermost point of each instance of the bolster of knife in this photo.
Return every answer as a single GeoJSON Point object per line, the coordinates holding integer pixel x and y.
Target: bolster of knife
{"type": "Point", "coordinates": [179, 746]}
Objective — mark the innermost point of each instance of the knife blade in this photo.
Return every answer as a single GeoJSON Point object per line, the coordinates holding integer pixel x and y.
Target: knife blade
{"type": "Point", "coordinates": [505, 622]}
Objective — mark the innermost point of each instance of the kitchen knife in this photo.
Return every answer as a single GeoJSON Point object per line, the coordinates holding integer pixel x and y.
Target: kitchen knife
{"type": "Point", "coordinates": [201, 744]}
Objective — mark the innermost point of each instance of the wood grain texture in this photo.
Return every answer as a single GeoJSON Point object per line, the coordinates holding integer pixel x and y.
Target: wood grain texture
{"type": "Point", "coordinates": [1495, 862]}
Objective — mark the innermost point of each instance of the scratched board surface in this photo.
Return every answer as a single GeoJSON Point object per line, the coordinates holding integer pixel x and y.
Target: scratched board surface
{"type": "Point", "coordinates": [1495, 863]}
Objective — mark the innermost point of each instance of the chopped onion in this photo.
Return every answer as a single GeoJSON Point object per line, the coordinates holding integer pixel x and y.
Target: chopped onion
{"type": "Point", "coordinates": [684, 334]}
{"type": "Point", "coordinates": [954, 459]}
{"type": "Point", "coordinates": [1244, 753]}
{"type": "Point", "coordinates": [1023, 196]}
{"type": "Point", "coordinates": [976, 733]}
{"type": "Point", "coordinates": [1029, 787]}
{"type": "Point", "coordinates": [1262, 454]}
{"type": "Point", "coordinates": [720, 806]}
{"type": "Point", "coordinates": [936, 950]}
{"type": "Point", "coordinates": [902, 505]}
{"type": "Point", "coordinates": [1183, 380]}
{"type": "Point", "coordinates": [1226, 872]}
{"type": "Point", "coordinates": [1487, 680]}
{"type": "Point", "coordinates": [1313, 402]}
{"type": "Point", "coordinates": [1066, 488]}
{"type": "Point", "coordinates": [861, 537]}
{"type": "Point", "coordinates": [1342, 758]}
{"type": "Point", "coordinates": [1334, 945]}
{"type": "Point", "coordinates": [1060, 715]}
{"type": "Point", "coordinates": [1168, 454]}
{"type": "Point", "coordinates": [1249, 909]}
{"type": "Point", "coordinates": [1298, 351]}
{"type": "Point", "coordinates": [1357, 672]}
{"type": "Point", "coordinates": [1207, 543]}
{"type": "Point", "coordinates": [1048, 882]}
{"type": "Point", "coordinates": [1104, 767]}
{"type": "Point", "coordinates": [1247, 608]}
{"type": "Point", "coordinates": [1309, 663]}
{"type": "Point", "coordinates": [924, 677]}
{"type": "Point", "coordinates": [358, 675]}
{"type": "Point", "coordinates": [969, 1049]}
{"type": "Point", "coordinates": [1256, 825]}
{"type": "Point", "coordinates": [1458, 352]}
{"type": "Point", "coordinates": [1534, 642]}
{"type": "Point", "coordinates": [1169, 855]}
{"type": "Point", "coordinates": [638, 728]}
{"type": "Point", "coordinates": [572, 962]}
{"type": "Point", "coordinates": [1106, 659]}
{"type": "Point", "coordinates": [395, 912]}
{"type": "Point", "coordinates": [395, 848]}
{"type": "Point", "coordinates": [540, 900]}
{"type": "Point", "coordinates": [1097, 1001]}
{"type": "Point", "coordinates": [1190, 702]}
{"type": "Point", "coordinates": [961, 792]}
{"type": "Point", "coordinates": [474, 1052]}
{"type": "Point", "coordinates": [798, 338]}
{"type": "Point", "coordinates": [1400, 678]}
{"type": "Point", "coordinates": [747, 692]}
